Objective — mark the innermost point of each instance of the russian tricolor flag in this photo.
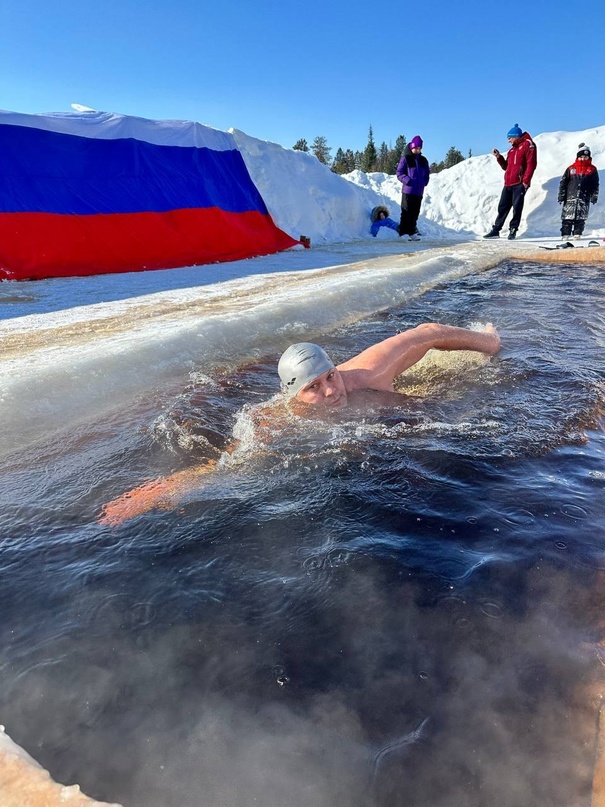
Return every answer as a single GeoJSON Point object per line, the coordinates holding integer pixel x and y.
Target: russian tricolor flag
{"type": "Point", "coordinates": [94, 192]}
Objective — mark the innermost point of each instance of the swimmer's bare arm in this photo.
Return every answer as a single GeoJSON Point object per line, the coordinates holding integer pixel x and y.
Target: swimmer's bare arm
{"type": "Point", "coordinates": [166, 492]}
{"type": "Point", "coordinates": [379, 365]}
{"type": "Point", "coordinates": [162, 494]}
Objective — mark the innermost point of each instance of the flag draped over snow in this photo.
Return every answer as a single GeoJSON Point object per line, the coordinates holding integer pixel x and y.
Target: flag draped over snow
{"type": "Point", "coordinates": [94, 192]}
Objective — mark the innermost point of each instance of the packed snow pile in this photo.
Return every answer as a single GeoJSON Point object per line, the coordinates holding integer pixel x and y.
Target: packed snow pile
{"type": "Point", "coordinates": [305, 197]}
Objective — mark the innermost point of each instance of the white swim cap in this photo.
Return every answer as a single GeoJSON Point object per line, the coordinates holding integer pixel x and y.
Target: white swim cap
{"type": "Point", "coordinates": [300, 364]}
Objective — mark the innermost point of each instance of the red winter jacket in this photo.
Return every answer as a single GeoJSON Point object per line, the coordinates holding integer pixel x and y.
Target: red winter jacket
{"type": "Point", "coordinates": [520, 162]}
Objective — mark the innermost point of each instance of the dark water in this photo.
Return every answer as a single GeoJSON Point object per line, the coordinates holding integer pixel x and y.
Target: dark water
{"type": "Point", "coordinates": [401, 606]}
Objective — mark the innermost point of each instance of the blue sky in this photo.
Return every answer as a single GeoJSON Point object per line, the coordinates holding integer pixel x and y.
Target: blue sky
{"type": "Point", "coordinates": [459, 74]}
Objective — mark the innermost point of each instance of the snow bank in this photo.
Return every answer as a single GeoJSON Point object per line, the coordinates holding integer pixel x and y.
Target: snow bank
{"type": "Point", "coordinates": [305, 197]}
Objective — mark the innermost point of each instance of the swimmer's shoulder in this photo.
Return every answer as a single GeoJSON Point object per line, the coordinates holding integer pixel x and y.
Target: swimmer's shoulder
{"type": "Point", "coordinates": [356, 377]}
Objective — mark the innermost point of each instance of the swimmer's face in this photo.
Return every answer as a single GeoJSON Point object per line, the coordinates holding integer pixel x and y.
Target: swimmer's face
{"type": "Point", "coordinates": [328, 389]}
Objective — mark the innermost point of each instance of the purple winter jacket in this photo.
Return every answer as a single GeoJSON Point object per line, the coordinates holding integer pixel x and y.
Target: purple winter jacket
{"type": "Point", "coordinates": [413, 172]}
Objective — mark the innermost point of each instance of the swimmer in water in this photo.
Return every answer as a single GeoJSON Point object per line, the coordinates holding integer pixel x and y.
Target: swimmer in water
{"type": "Point", "coordinates": [310, 379]}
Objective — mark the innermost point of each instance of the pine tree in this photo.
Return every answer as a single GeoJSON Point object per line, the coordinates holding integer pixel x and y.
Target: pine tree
{"type": "Point", "coordinates": [382, 160]}
{"type": "Point", "coordinates": [368, 162]}
{"type": "Point", "coordinates": [350, 160]}
{"type": "Point", "coordinates": [395, 155]}
{"type": "Point", "coordinates": [339, 166]}
{"type": "Point", "coordinates": [453, 157]}
{"type": "Point", "coordinates": [321, 150]}
{"type": "Point", "coordinates": [400, 144]}
{"type": "Point", "coordinates": [301, 145]}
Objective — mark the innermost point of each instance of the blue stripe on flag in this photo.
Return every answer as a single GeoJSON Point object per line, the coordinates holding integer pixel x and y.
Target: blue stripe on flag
{"type": "Point", "coordinates": [51, 172]}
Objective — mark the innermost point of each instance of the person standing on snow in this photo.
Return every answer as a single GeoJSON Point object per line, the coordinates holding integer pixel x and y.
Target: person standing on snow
{"type": "Point", "coordinates": [579, 187]}
{"type": "Point", "coordinates": [518, 166]}
{"type": "Point", "coordinates": [413, 173]}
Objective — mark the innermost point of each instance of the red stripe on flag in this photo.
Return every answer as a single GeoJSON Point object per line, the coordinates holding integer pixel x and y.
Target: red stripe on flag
{"type": "Point", "coordinates": [38, 245]}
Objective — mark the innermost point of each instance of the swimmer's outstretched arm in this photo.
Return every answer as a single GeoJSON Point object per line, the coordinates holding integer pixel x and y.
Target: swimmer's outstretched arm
{"type": "Point", "coordinates": [166, 492]}
{"type": "Point", "coordinates": [162, 494]}
{"type": "Point", "coordinates": [379, 365]}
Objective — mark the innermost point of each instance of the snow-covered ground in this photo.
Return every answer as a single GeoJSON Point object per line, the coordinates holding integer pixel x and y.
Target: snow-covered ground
{"type": "Point", "coordinates": [305, 197]}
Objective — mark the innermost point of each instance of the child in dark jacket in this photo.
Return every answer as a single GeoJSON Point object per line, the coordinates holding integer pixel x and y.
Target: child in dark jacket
{"type": "Point", "coordinates": [579, 187]}
{"type": "Point", "coordinates": [380, 218]}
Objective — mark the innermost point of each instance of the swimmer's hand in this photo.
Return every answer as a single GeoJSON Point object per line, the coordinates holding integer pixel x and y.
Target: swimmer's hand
{"type": "Point", "coordinates": [161, 494]}
{"type": "Point", "coordinates": [495, 342]}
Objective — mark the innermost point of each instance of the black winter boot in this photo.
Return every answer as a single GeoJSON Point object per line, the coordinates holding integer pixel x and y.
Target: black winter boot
{"type": "Point", "coordinates": [512, 234]}
{"type": "Point", "coordinates": [493, 233]}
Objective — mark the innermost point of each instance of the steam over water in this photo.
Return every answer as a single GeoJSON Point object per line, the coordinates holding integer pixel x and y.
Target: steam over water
{"type": "Point", "coordinates": [398, 605]}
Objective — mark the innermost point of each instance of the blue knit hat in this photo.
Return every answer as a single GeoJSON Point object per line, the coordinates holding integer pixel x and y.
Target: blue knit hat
{"type": "Point", "coordinates": [515, 131]}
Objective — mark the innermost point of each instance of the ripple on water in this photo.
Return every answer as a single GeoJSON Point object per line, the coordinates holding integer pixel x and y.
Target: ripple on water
{"type": "Point", "coordinates": [325, 560]}
{"type": "Point", "coordinates": [518, 516]}
{"type": "Point", "coordinates": [491, 609]}
{"type": "Point", "coordinates": [574, 511]}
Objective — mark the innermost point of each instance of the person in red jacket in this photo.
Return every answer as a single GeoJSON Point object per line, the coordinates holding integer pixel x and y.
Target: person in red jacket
{"type": "Point", "coordinates": [519, 166]}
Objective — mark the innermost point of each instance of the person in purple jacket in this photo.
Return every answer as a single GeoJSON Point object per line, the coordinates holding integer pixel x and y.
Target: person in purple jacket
{"type": "Point", "coordinates": [413, 173]}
